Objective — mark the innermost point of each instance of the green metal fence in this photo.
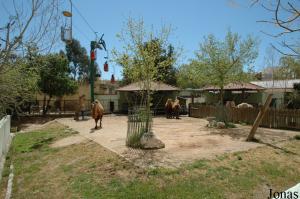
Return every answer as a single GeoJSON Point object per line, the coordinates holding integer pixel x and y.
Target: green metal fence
{"type": "Point", "coordinates": [139, 122]}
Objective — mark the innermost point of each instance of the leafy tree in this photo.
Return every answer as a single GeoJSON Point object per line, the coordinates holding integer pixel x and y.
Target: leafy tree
{"type": "Point", "coordinates": [54, 78]}
{"type": "Point", "coordinates": [77, 55]}
{"type": "Point", "coordinates": [289, 68]}
{"type": "Point", "coordinates": [164, 60]}
{"type": "Point", "coordinates": [187, 76]}
{"type": "Point", "coordinates": [145, 54]}
{"type": "Point", "coordinates": [35, 27]}
{"type": "Point", "coordinates": [222, 62]}
{"type": "Point", "coordinates": [18, 83]}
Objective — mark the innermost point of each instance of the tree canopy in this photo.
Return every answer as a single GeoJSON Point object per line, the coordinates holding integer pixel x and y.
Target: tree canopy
{"type": "Point", "coordinates": [221, 62]}
{"type": "Point", "coordinates": [163, 60]}
{"type": "Point", "coordinates": [78, 58]}
{"type": "Point", "coordinates": [187, 75]}
{"type": "Point", "coordinates": [25, 30]}
{"type": "Point", "coordinates": [144, 58]}
{"type": "Point", "coordinates": [289, 68]}
{"type": "Point", "coordinates": [54, 77]}
{"type": "Point", "coordinates": [146, 55]}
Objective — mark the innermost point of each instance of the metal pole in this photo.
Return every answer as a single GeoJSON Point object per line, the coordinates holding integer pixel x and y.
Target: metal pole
{"type": "Point", "coordinates": [71, 20]}
{"type": "Point", "coordinates": [92, 71]}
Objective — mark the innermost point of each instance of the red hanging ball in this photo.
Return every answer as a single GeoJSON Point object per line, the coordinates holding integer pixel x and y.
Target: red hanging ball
{"type": "Point", "coordinates": [106, 66]}
{"type": "Point", "coordinates": [112, 80]}
{"type": "Point", "coordinates": [93, 55]}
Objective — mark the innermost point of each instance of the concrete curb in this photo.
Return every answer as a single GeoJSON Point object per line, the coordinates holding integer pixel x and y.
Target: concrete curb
{"type": "Point", "coordinates": [10, 183]}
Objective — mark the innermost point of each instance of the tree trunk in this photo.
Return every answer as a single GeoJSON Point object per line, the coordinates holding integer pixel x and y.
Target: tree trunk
{"type": "Point", "coordinates": [222, 113]}
{"type": "Point", "coordinates": [148, 110]}
{"type": "Point", "coordinates": [47, 105]}
{"type": "Point", "coordinates": [44, 105]}
{"type": "Point", "coordinates": [221, 95]}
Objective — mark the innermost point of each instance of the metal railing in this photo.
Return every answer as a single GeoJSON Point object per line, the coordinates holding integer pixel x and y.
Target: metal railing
{"type": "Point", "coordinates": [139, 122]}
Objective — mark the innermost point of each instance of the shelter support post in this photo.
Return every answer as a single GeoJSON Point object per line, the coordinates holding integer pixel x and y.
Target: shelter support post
{"type": "Point", "coordinates": [259, 118]}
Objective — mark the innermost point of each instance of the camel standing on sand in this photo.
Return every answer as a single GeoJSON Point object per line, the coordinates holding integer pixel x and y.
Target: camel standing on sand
{"type": "Point", "coordinates": [97, 112]}
{"type": "Point", "coordinates": [80, 108]}
{"type": "Point", "coordinates": [168, 108]}
{"type": "Point", "coordinates": [172, 108]}
{"type": "Point", "coordinates": [176, 108]}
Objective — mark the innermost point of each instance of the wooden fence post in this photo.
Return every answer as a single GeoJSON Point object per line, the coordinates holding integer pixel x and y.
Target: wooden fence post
{"type": "Point", "coordinates": [259, 118]}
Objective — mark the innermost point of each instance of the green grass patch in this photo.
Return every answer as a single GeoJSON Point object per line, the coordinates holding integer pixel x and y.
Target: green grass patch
{"type": "Point", "coordinates": [87, 170]}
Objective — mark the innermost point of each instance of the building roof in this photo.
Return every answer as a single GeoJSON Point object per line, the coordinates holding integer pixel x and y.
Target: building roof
{"type": "Point", "coordinates": [235, 87]}
{"type": "Point", "coordinates": [155, 86]}
{"type": "Point", "coordinates": [277, 84]}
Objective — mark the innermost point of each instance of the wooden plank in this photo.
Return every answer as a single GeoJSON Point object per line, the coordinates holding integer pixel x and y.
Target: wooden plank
{"type": "Point", "coordinates": [259, 118]}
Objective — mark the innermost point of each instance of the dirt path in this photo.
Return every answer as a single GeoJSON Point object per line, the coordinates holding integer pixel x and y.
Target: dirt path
{"type": "Point", "coordinates": [186, 140]}
{"type": "Point", "coordinates": [75, 139]}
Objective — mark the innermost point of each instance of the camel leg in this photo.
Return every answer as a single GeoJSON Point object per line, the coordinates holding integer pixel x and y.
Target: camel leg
{"type": "Point", "coordinates": [96, 121]}
{"type": "Point", "coordinates": [101, 122]}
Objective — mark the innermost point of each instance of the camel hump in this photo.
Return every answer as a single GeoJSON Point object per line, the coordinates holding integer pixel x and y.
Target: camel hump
{"type": "Point", "coordinates": [169, 102]}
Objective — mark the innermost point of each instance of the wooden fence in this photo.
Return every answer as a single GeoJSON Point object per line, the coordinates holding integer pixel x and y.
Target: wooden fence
{"type": "Point", "coordinates": [274, 118]}
{"type": "Point", "coordinates": [62, 107]}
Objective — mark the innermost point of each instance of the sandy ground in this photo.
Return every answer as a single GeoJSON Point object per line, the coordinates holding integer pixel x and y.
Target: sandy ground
{"type": "Point", "coordinates": [33, 127]}
{"type": "Point", "coordinates": [186, 140]}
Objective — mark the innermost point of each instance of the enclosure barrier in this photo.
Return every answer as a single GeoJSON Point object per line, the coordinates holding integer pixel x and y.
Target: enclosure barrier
{"type": "Point", "coordinates": [60, 107]}
{"type": "Point", "coordinates": [274, 118]}
{"type": "Point", "coordinates": [5, 139]}
{"type": "Point", "coordinates": [138, 124]}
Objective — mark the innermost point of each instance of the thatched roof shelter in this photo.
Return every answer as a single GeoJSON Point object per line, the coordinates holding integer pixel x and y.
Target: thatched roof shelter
{"type": "Point", "coordinates": [235, 87]}
{"type": "Point", "coordinates": [155, 86]}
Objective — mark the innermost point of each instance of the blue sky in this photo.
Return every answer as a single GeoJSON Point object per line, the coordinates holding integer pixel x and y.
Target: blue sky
{"type": "Point", "coordinates": [190, 19]}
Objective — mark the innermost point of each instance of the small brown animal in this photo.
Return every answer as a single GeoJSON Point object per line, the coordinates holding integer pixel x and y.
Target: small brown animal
{"type": "Point", "coordinates": [169, 108]}
{"type": "Point", "coordinates": [176, 108]}
{"type": "Point", "coordinates": [97, 112]}
{"type": "Point", "coordinates": [80, 108]}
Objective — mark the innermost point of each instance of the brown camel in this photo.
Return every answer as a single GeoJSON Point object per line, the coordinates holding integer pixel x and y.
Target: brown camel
{"type": "Point", "coordinates": [97, 112]}
{"type": "Point", "coordinates": [176, 108]}
{"type": "Point", "coordinates": [168, 108]}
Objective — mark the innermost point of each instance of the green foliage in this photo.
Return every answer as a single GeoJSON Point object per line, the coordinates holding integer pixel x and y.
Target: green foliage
{"type": "Point", "coordinates": [289, 68]}
{"type": "Point", "coordinates": [146, 56]}
{"type": "Point", "coordinates": [221, 62]}
{"type": "Point", "coordinates": [230, 125]}
{"type": "Point", "coordinates": [79, 59]}
{"type": "Point", "coordinates": [163, 62]}
{"type": "Point", "coordinates": [17, 85]}
{"type": "Point", "coordinates": [54, 77]}
{"type": "Point", "coordinates": [187, 76]}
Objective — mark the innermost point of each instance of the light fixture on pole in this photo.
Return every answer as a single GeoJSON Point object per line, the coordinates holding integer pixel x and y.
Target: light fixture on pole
{"type": "Point", "coordinates": [66, 31]}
